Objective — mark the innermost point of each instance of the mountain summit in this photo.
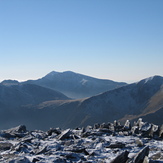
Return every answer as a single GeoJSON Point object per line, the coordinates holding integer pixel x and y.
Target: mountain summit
{"type": "Point", "coordinates": [75, 85]}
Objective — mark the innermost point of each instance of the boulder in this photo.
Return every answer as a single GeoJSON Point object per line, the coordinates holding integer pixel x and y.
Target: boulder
{"type": "Point", "coordinates": [127, 126]}
{"type": "Point", "coordinates": [19, 131]}
{"type": "Point", "coordinates": [140, 156]}
{"type": "Point", "coordinates": [122, 158]}
{"type": "Point", "coordinates": [146, 129]}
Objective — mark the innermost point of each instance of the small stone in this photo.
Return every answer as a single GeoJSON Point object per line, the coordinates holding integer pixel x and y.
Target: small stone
{"type": "Point", "coordinates": [115, 123]}
{"type": "Point", "coordinates": [111, 127]}
{"type": "Point", "coordinates": [140, 123]}
{"type": "Point", "coordinates": [96, 126]}
{"type": "Point", "coordinates": [135, 130]}
{"type": "Point", "coordinates": [139, 142]}
{"type": "Point", "coordinates": [88, 128]}
{"type": "Point", "coordinates": [5, 146]}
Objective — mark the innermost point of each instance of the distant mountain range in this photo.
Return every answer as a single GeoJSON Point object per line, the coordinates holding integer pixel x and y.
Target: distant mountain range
{"type": "Point", "coordinates": [142, 99]}
{"type": "Point", "coordinates": [75, 85]}
{"type": "Point", "coordinates": [40, 108]}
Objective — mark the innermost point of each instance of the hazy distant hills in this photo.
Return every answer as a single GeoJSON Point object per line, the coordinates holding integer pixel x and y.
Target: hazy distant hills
{"type": "Point", "coordinates": [75, 85]}
{"type": "Point", "coordinates": [14, 95]}
{"type": "Point", "coordinates": [142, 99]}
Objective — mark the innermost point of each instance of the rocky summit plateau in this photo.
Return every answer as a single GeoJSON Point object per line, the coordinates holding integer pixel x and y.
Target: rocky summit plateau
{"type": "Point", "coordinates": [141, 142]}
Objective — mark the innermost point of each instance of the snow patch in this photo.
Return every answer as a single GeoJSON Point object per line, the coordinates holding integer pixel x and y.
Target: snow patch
{"type": "Point", "coordinates": [148, 79]}
{"type": "Point", "coordinates": [83, 81]}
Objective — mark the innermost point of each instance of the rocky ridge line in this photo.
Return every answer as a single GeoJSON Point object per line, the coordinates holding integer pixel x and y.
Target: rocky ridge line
{"type": "Point", "coordinates": [107, 142]}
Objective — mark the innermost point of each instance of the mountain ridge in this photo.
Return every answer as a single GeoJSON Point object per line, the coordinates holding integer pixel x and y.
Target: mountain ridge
{"type": "Point", "coordinates": [75, 85]}
{"type": "Point", "coordinates": [15, 96]}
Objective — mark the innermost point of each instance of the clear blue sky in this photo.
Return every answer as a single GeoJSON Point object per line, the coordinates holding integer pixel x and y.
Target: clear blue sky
{"type": "Point", "coordinates": [120, 40]}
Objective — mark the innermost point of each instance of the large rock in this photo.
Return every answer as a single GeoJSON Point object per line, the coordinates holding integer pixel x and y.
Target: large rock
{"type": "Point", "coordinates": [139, 158]}
{"type": "Point", "coordinates": [19, 131]}
{"type": "Point", "coordinates": [122, 158]}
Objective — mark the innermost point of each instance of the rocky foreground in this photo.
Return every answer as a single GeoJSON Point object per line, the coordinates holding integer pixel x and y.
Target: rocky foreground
{"type": "Point", "coordinates": [112, 143]}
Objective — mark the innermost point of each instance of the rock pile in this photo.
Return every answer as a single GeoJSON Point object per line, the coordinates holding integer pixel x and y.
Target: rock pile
{"type": "Point", "coordinates": [111, 142]}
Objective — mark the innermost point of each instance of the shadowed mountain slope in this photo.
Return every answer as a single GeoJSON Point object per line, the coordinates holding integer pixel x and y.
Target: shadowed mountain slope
{"type": "Point", "coordinates": [15, 96]}
{"type": "Point", "coordinates": [76, 85]}
{"type": "Point", "coordinates": [141, 99]}
{"type": "Point", "coordinates": [137, 99]}
{"type": "Point", "coordinates": [22, 94]}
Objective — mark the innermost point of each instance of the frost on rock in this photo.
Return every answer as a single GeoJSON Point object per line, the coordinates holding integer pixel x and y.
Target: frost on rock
{"type": "Point", "coordinates": [110, 143]}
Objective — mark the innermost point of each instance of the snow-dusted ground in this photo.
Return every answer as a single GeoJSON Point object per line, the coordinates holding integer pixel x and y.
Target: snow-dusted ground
{"type": "Point", "coordinates": [101, 143]}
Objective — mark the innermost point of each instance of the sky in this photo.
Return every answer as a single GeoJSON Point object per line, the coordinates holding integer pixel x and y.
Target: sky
{"type": "Point", "coordinates": [120, 40]}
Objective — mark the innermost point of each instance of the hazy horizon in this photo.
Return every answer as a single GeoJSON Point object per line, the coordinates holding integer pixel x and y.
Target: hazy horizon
{"type": "Point", "coordinates": [115, 40]}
